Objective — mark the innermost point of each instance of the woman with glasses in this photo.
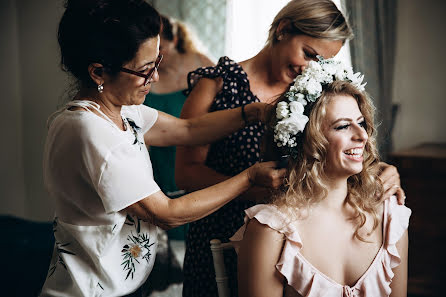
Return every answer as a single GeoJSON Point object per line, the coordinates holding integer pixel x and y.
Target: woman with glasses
{"type": "Point", "coordinates": [96, 164]}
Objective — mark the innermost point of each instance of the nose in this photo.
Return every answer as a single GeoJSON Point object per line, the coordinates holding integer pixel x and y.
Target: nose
{"type": "Point", "coordinates": [360, 134]}
{"type": "Point", "coordinates": [155, 76]}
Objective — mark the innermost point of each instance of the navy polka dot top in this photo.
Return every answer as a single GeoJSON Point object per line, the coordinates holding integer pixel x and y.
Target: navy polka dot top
{"type": "Point", "coordinates": [228, 156]}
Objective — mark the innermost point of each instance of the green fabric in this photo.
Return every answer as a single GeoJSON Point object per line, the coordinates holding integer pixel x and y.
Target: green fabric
{"type": "Point", "coordinates": [163, 158]}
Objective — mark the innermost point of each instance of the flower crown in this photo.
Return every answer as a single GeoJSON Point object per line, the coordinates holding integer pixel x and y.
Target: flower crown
{"type": "Point", "coordinates": [307, 88]}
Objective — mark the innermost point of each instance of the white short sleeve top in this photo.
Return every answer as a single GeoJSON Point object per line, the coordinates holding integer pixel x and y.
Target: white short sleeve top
{"type": "Point", "coordinates": [93, 171]}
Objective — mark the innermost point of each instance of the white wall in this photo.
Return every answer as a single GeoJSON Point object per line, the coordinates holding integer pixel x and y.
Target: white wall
{"type": "Point", "coordinates": [420, 73]}
{"type": "Point", "coordinates": [32, 85]}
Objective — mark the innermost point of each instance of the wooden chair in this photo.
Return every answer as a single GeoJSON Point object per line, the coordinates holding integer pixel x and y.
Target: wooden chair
{"type": "Point", "coordinates": [217, 248]}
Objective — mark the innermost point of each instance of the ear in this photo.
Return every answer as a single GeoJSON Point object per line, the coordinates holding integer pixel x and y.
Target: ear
{"type": "Point", "coordinates": [281, 28]}
{"type": "Point", "coordinates": [96, 71]}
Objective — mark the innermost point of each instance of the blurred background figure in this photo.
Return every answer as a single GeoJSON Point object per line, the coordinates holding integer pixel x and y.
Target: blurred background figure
{"type": "Point", "coordinates": [181, 56]}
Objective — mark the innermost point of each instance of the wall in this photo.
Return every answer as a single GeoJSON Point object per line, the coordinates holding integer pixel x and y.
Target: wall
{"type": "Point", "coordinates": [32, 86]}
{"type": "Point", "coordinates": [419, 77]}
{"type": "Point", "coordinates": [12, 186]}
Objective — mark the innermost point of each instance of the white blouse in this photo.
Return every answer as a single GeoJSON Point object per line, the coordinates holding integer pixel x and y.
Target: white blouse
{"type": "Point", "coordinates": [93, 171]}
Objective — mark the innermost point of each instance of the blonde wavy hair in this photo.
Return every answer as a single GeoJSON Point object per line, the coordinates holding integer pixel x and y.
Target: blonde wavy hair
{"type": "Point", "coordinates": [315, 18]}
{"type": "Point", "coordinates": [306, 181]}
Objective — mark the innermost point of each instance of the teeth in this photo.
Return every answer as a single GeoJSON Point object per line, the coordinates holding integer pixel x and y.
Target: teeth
{"type": "Point", "coordinates": [356, 151]}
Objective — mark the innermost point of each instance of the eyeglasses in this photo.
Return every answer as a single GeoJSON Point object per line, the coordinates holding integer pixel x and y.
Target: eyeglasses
{"type": "Point", "coordinates": [148, 76]}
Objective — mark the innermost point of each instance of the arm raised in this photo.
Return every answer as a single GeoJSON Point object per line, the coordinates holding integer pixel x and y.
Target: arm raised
{"type": "Point", "coordinates": [207, 127]}
{"type": "Point", "coordinates": [191, 173]}
{"type": "Point", "coordinates": [258, 255]}
{"type": "Point", "coordinates": [168, 213]}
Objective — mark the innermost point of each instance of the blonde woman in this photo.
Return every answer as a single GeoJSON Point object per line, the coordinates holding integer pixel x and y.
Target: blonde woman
{"type": "Point", "coordinates": [328, 233]}
{"type": "Point", "coordinates": [302, 30]}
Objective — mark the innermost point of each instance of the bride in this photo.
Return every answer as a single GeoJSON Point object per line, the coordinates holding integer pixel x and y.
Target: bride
{"type": "Point", "coordinates": [327, 233]}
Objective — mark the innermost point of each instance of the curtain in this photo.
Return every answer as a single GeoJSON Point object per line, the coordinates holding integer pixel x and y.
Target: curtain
{"type": "Point", "coordinates": [373, 51]}
{"type": "Point", "coordinates": [205, 18]}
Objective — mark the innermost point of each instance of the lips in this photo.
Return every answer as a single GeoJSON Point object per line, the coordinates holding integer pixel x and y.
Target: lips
{"type": "Point", "coordinates": [354, 154]}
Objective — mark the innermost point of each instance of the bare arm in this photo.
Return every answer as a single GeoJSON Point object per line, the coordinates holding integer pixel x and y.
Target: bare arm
{"type": "Point", "coordinates": [258, 255]}
{"type": "Point", "coordinates": [390, 179]}
{"type": "Point", "coordinates": [169, 130]}
{"type": "Point", "coordinates": [399, 282]}
{"type": "Point", "coordinates": [191, 173]}
{"type": "Point", "coordinates": [168, 213]}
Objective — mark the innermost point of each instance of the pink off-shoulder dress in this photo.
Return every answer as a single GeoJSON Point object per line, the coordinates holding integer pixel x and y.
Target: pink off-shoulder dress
{"type": "Point", "coordinates": [305, 280]}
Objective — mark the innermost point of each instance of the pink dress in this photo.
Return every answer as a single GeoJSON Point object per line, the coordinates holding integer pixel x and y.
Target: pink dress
{"type": "Point", "coordinates": [305, 280]}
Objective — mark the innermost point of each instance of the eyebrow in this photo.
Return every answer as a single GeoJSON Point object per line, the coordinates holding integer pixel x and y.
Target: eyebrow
{"type": "Point", "coordinates": [346, 119]}
{"type": "Point", "coordinates": [146, 64]}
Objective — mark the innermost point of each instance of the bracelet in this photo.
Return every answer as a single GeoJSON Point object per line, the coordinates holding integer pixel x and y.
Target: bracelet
{"type": "Point", "coordinates": [244, 114]}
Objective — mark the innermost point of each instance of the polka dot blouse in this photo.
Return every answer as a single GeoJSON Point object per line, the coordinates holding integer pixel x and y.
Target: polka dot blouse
{"type": "Point", "coordinates": [228, 156]}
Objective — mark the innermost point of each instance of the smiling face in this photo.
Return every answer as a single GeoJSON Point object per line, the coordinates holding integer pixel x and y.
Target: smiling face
{"type": "Point", "coordinates": [344, 128]}
{"type": "Point", "coordinates": [129, 89]}
{"type": "Point", "coordinates": [293, 53]}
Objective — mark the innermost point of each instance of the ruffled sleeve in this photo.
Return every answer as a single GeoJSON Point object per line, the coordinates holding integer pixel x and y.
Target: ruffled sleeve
{"type": "Point", "coordinates": [397, 217]}
{"type": "Point", "coordinates": [208, 72]}
{"type": "Point", "coordinates": [271, 216]}
{"type": "Point", "coordinates": [304, 278]}
{"type": "Point", "coordinates": [396, 222]}
{"type": "Point", "coordinates": [235, 79]}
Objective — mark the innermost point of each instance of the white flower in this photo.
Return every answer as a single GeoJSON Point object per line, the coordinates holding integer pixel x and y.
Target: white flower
{"type": "Point", "coordinates": [314, 87]}
{"type": "Point", "coordinates": [293, 124]}
{"type": "Point", "coordinates": [296, 107]}
{"type": "Point", "coordinates": [282, 110]}
{"type": "Point", "coordinates": [340, 74]}
{"type": "Point", "coordinates": [314, 66]}
{"type": "Point", "coordinates": [356, 80]}
{"type": "Point", "coordinates": [308, 87]}
{"type": "Point", "coordinates": [329, 68]}
{"type": "Point", "coordinates": [301, 83]}
{"type": "Point", "coordinates": [301, 99]}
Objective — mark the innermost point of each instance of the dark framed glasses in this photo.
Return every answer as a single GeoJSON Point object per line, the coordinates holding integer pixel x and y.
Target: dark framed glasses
{"type": "Point", "coordinates": [148, 76]}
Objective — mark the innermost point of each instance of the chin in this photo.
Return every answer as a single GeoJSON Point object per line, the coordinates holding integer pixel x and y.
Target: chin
{"type": "Point", "coordinates": [355, 171]}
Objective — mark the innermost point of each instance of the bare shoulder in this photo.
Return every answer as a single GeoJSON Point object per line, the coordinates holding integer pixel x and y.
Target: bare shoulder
{"type": "Point", "coordinates": [201, 97]}
{"type": "Point", "coordinates": [204, 60]}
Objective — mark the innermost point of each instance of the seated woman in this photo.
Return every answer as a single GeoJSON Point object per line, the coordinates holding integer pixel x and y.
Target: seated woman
{"type": "Point", "coordinates": [327, 233]}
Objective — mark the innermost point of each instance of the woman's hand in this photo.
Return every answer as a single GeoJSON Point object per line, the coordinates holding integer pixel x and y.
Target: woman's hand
{"type": "Point", "coordinates": [266, 174]}
{"type": "Point", "coordinates": [390, 179]}
{"type": "Point", "coordinates": [258, 111]}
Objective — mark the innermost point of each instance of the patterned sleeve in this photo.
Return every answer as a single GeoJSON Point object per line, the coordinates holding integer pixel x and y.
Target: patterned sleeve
{"type": "Point", "coordinates": [208, 72]}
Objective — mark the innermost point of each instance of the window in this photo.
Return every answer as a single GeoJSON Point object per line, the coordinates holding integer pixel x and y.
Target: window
{"type": "Point", "coordinates": [247, 26]}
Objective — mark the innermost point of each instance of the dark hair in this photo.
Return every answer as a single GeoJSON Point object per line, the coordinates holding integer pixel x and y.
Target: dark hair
{"type": "Point", "coordinates": [108, 32]}
{"type": "Point", "coordinates": [167, 31]}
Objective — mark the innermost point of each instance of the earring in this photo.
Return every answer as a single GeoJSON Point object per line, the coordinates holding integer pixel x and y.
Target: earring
{"type": "Point", "coordinates": [279, 37]}
{"type": "Point", "coordinates": [100, 88]}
